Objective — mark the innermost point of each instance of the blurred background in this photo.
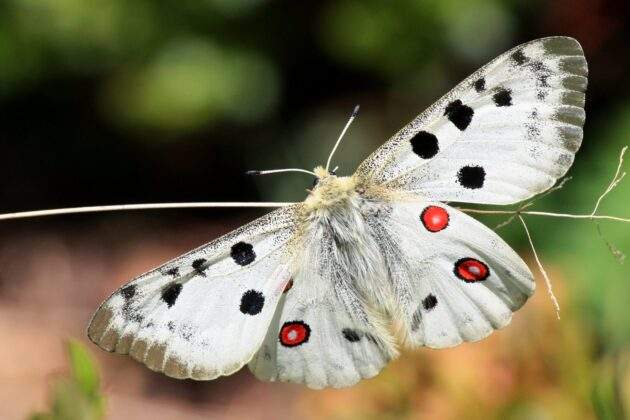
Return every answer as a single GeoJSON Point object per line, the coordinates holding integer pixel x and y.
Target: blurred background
{"type": "Point", "coordinates": [105, 102]}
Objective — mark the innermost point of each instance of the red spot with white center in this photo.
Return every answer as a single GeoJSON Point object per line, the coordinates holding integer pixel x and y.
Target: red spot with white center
{"type": "Point", "coordinates": [471, 270]}
{"type": "Point", "coordinates": [294, 333]}
{"type": "Point", "coordinates": [434, 218]}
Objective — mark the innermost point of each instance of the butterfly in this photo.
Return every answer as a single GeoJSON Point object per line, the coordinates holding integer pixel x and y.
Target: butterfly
{"type": "Point", "coordinates": [324, 292]}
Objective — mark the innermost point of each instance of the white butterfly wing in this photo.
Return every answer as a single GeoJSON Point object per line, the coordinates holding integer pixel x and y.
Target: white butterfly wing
{"type": "Point", "coordinates": [205, 313]}
{"type": "Point", "coordinates": [504, 134]}
{"type": "Point", "coordinates": [323, 334]}
{"type": "Point", "coordinates": [454, 279]}
{"type": "Point", "coordinates": [319, 345]}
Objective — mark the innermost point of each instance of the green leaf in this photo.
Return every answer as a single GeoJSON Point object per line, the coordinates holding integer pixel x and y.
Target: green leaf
{"type": "Point", "coordinates": [83, 369]}
{"type": "Point", "coordinates": [76, 396]}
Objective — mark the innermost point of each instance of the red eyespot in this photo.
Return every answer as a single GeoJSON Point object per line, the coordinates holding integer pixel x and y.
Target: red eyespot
{"type": "Point", "coordinates": [294, 333]}
{"type": "Point", "coordinates": [434, 218]}
{"type": "Point", "coordinates": [471, 270]}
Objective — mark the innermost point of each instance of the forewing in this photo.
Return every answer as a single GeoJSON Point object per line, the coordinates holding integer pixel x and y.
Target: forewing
{"type": "Point", "coordinates": [504, 134]}
{"type": "Point", "coordinates": [454, 279]}
{"type": "Point", "coordinates": [323, 333]}
{"type": "Point", "coordinates": [205, 313]}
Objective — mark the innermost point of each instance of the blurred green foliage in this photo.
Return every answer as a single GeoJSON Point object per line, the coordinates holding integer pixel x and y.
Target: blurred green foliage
{"type": "Point", "coordinates": [399, 38]}
{"type": "Point", "coordinates": [76, 396]}
{"type": "Point", "coordinates": [609, 402]}
{"type": "Point", "coordinates": [600, 283]}
{"type": "Point", "coordinates": [160, 76]}
{"type": "Point", "coordinates": [192, 82]}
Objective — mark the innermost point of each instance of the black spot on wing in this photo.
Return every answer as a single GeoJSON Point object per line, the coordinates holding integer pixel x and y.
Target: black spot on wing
{"type": "Point", "coordinates": [429, 302]}
{"type": "Point", "coordinates": [519, 57]}
{"type": "Point", "coordinates": [424, 145]}
{"type": "Point", "coordinates": [351, 335]}
{"type": "Point", "coordinates": [471, 177]}
{"type": "Point", "coordinates": [170, 293]}
{"type": "Point", "coordinates": [480, 84]}
{"type": "Point", "coordinates": [459, 114]}
{"type": "Point", "coordinates": [186, 332]}
{"type": "Point", "coordinates": [135, 316]}
{"type": "Point", "coordinates": [533, 131]}
{"type": "Point", "coordinates": [173, 271]}
{"type": "Point", "coordinates": [416, 319]}
{"type": "Point", "coordinates": [503, 97]}
{"type": "Point", "coordinates": [128, 292]}
{"type": "Point", "coordinates": [538, 66]}
{"type": "Point", "coordinates": [543, 80]}
{"type": "Point", "coordinates": [372, 339]}
{"type": "Point", "coordinates": [243, 253]}
{"type": "Point", "coordinates": [198, 266]}
{"type": "Point", "coordinates": [252, 302]}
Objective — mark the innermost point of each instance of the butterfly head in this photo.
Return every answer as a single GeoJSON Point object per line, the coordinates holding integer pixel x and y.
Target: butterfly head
{"type": "Point", "coordinates": [321, 173]}
{"type": "Point", "coordinates": [329, 189]}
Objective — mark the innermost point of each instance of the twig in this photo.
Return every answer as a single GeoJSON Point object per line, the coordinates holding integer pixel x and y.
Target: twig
{"type": "Point", "coordinates": [543, 213]}
{"type": "Point", "coordinates": [616, 179]}
{"type": "Point", "coordinates": [125, 207]}
{"type": "Point", "coordinates": [541, 268]}
{"type": "Point", "coordinates": [531, 202]}
{"type": "Point", "coordinates": [614, 182]}
{"type": "Point", "coordinates": [616, 252]}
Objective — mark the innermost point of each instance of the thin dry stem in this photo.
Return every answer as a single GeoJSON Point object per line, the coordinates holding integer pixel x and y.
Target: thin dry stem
{"type": "Point", "coordinates": [616, 252]}
{"type": "Point", "coordinates": [616, 179]}
{"type": "Point", "coordinates": [126, 207]}
{"type": "Point", "coordinates": [541, 268]}
{"type": "Point", "coordinates": [543, 213]}
{"type": "Point", "coordinates": [531, 202]}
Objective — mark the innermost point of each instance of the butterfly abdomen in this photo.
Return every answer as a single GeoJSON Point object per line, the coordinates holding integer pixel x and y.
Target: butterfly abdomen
{"type": "Point", "coordinates": [341, 248]}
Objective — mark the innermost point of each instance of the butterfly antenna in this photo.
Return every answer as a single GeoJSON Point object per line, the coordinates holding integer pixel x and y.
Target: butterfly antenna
{"type": "Point", "coordinates": [276, 171]}
{"type": "Point", "coordinates": [355, 111]}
